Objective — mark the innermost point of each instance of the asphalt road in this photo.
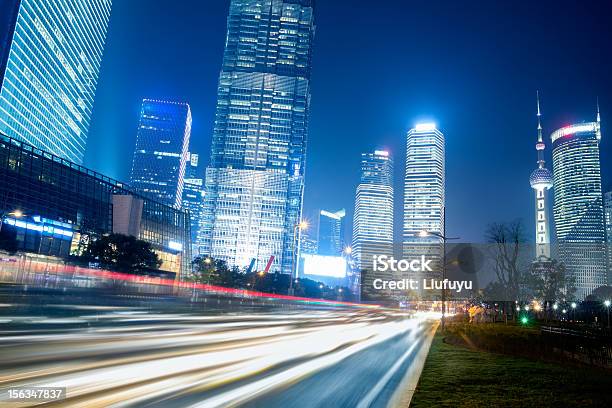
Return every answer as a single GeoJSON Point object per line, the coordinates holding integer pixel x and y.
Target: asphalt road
{"type": "Point", "coordinates": [136, 356]}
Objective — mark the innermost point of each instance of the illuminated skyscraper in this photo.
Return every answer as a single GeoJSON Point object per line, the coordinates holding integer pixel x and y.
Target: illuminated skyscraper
{"type": "Point", "coordinates": [423, 187]}
{"type": "Point", "coordinates": [193, 199]}
{"type": "Point", "coordinates": [541, 180]}
{"type": "Point", "coordinates": [162, 144]}
{"type": "Point", "coordinates": [578, 208]}
{"type": "Point", "coordinates": [50, 56]}
{"type": "Point", "coordinates": [608, 223]}
{"type": "Point", "coordinates": [373, 219]}
{"type": "Point", "coordinates": [254, 183]}
{"type": "Point", "coordinates": [331, 232]}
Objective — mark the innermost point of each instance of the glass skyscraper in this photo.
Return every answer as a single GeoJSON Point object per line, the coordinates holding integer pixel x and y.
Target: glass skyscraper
{"type": "Point", "coordinates": [373, 218]}
{"type": "Point", "coordinates": [50, 56]}
{"type": "Point", "coordinates": [160, 157]}
{"type": "Point", "coordinates": [424, 184]}
{"type": "Point", "coordinates": [331, 232]}
{"type": "Point", "coordinates": [424, 197]}
{"type": "Point", "coordinates": [608, 223]}
{"type": "Point", "coordinates": [193, 199]}
{"type": "Point", "coordinates": [578, 208]}
{"type": "Point", "coordinates": [254, 183]}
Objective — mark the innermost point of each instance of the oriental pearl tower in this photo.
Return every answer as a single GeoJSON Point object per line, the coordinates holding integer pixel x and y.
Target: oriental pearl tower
{"type": "Point", "coordinates": [541, 181]}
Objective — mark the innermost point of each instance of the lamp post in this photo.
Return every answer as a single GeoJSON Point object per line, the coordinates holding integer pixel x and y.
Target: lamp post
{"type": "Point", "coordinates": [607, 304]}
{"type": "Point", "coordinates": [444, 239]}
{"type": "Point", "coordinates": [297, 233]}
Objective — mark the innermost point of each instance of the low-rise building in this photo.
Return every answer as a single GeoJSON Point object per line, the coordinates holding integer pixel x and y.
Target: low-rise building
{"type": "Point", "coordinates": [49, 205]}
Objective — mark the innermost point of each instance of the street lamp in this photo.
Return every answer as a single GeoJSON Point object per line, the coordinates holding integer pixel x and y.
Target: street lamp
{"type": "Point", "coordinates": [15, 213]}
{"type": "Point", "coordinates": [444, 238]}
{"type": "Point", "coordinates": [607, 304]}
{"type": "Point", "coordinates": [297, 234]}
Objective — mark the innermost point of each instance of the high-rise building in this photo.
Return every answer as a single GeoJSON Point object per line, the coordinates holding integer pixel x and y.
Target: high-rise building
{"type": "Point", "coordinates": [255, 181]}
{"type": "Point", "coordinates": [424, 193]}
{"type": "Point", "coordinates": [331, 232]}
{"type": "Point", "coordinates": [608, 223]}
{"type": "Point", "coordinates": [193, 199]}
{"type": "Point", "coordinates": [160, 156]}
{"type": "Point", "coordinates": [50, 56]}
{"type": "Point", "coordinates": [373, 219]}
{"type": "Point", "coordinates": [541, 180]}
{"type": "Point", "coordinates": [578, 207]}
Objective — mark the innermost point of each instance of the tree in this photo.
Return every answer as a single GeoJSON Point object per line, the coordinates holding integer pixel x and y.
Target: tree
{"type": "Point", "coordinates": [507, 238]}
{"type": "Point", "coordinates": [122, 253]}
{"type": "Point", "coordinates": [216, 272]}
{"type": "Point", "coordinates": [601, 293]}
{"type": "Point", "coordinates": [550, 281]}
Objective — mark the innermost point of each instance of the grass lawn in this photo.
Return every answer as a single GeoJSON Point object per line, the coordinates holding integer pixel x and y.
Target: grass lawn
{"type": "Point", "coordinates": [454, 376]}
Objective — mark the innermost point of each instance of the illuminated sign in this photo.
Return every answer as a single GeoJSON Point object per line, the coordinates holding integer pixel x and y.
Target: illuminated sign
{"type": "Point", "coordinates": [381, 153]}
{"type": "Point", "coordinates": [177, 246]}
{"type": "Point", "coordinates": [319, 265]}
{"type": "Point", "coordinates": [573, 129]}
{"type": "Point", "coordinates": [39, 227]}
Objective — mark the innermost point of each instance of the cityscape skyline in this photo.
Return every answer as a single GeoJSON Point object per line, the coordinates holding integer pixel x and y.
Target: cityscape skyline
{"type": "Point", "coordinates": [325, 203]}
{"type": "Point", "coordinates": [470, 144]}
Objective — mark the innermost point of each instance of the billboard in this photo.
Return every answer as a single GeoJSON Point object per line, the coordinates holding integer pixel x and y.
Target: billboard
{"type": "Point", "coordinates": [320, 265]}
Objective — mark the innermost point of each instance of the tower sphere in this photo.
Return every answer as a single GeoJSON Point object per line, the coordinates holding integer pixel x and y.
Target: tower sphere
{"type": "Point", "coordinates": [541, 178]}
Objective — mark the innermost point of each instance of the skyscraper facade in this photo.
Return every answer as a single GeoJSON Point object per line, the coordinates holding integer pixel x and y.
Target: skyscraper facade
{"type": "Point", "coordinates": [50, 56]}
{"type": "Point", "coordinates": [254, 183]}
{"type": "Point", "coordinates": [160, 156]}
{"type": "Point", "coordinates": [541, 180]}
{"type": "Point", "coordinates": [373, 218]}
{"type": "Point", "coordinates": [608, 223]}
{"type": "Point", "coordinates": [331, 232]}
{"type": "Point", "coordinates": [578, 207]}
{"type": "Point", "coordinates": [308, 244]}
{"type": "Point", "coordinates": [193, 199]}
{"type": "Point", "coordinates": [424, 185]}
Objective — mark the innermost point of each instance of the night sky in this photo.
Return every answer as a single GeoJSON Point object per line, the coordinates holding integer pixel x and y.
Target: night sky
{"type": "Point", "coordinates": [472, 67]}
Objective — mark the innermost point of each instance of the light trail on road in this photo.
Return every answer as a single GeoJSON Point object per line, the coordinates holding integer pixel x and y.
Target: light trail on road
{"type": "Point", "coordinates": [124, 357]}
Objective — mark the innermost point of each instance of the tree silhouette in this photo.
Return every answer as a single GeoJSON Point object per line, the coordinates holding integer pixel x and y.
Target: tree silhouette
{"type": "Point", "coordinates": [122, 253]}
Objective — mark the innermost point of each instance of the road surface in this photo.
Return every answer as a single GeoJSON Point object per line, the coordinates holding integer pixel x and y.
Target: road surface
{"type": "Point", "coordinates": [130, 356]}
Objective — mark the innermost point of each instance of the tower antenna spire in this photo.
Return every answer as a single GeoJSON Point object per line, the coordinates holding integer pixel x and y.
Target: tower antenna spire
{"type": "Point", "coordinates": [540, 145]}
{"type": "Point", "coordinates": [539, 115]}
{"type": "Point", "coordinates": [598, 116]}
